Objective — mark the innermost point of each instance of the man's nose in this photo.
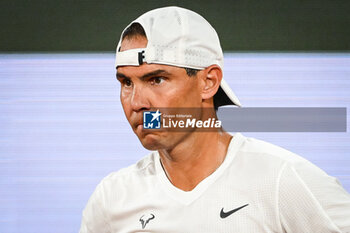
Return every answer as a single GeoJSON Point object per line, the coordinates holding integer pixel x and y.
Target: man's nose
{"type": "Point", "coordinates": [139, 99]}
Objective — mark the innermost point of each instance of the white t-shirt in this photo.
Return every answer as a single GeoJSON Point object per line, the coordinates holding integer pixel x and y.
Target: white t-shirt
{"type": "Point", "coordinates": [259, 188]}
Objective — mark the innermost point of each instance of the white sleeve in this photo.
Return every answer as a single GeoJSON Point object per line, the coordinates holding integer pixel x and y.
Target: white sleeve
{"type": "Point", "coordinates": [311, 201]}
{"type": "Point", "coordinates": [94, 218]}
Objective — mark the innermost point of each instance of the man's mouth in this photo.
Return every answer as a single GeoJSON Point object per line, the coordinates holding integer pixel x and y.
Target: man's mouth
{"type": "Point", "coordinates": [137, 123]}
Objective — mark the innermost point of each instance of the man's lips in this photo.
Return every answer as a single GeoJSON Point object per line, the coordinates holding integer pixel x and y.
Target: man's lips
{"type": "Point", "coordinates": [136, 123]}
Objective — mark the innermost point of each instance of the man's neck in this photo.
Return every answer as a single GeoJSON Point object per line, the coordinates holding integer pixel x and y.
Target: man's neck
{"type": "Point", "coordinates": [194, 159]}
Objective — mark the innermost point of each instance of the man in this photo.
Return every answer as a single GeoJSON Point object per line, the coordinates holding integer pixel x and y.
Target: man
{"type": "Point", "coordinates": [198, 181]}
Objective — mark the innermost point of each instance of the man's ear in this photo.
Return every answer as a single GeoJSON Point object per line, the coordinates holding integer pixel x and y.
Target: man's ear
{"type": "Point", "coordinates": [212, 80]}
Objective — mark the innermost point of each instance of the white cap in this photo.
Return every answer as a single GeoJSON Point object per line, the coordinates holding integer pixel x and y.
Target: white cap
{"type": "Point", "coordinates": [178, 37]}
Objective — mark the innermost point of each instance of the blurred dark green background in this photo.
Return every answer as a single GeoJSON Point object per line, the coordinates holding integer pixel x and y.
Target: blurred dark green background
{"type": "Point", "coordinates": [243, 25]}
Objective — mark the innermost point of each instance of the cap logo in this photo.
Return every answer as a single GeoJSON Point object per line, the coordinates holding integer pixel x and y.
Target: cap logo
{"type": "Point", "coordinates": [141, 57]}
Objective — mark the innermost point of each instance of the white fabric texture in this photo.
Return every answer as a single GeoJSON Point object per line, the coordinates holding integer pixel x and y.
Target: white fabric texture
{"type": "Point", "coordinates": [179, 37]}
{"type": "Point", "coordinates": [129, 57]}
{"type": "Point", "coordinates": [284, 193]}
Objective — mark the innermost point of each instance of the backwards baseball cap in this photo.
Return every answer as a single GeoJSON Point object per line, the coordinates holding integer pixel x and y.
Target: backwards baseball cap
{"type": "Point", "coordinates": [182, 38]}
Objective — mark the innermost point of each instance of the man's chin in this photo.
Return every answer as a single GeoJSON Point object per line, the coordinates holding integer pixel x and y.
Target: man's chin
{"type": "Point", "coordinates": [151, 141]}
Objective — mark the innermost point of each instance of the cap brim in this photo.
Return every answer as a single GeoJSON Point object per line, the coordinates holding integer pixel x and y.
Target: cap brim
{"type": "Point", "coordinates": [225, 95]}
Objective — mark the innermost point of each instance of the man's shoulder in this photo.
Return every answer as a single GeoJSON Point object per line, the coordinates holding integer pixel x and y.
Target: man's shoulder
{"type": "Point", "coordinates": [128, 182]}
{"type": "Point", "coordinates": [261, 150]}
{"type": "Point", "coordinates": [271, 166]}
{"type": "Point", "coordinates": [142, 168]}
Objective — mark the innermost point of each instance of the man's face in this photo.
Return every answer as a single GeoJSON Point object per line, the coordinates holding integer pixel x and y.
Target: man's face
{"type": "Point", "coordinates": [152, 86]}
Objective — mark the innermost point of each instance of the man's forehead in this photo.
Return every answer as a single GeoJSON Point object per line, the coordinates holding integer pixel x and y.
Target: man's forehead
{"type": "Point", "coordinates": [144, 69]}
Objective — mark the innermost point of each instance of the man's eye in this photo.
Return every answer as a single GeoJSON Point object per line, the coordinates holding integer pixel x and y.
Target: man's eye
{"type": "Point", "coordinates": [156, 80]}
{"type": "Point", "coordinates": [127, 82]}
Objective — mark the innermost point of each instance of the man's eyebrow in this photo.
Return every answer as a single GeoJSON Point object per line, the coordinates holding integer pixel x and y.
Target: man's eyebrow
{"type": "Point", "coordinates": [145, 76]}
{"type": "Point", "coordinates": [154, 73]}
{"type": "Point", "coordinates": [120, 75]}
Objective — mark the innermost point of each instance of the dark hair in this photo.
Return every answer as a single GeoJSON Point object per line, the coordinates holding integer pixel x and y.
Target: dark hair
{"type": "Point", "coordinates": [136, 29]}
{"type": "Point", "coordinates": [191, 72]}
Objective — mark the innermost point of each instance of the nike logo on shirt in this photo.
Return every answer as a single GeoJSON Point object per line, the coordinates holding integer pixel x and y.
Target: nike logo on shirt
{"type": "Point", "coordinates": [226, 214]}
